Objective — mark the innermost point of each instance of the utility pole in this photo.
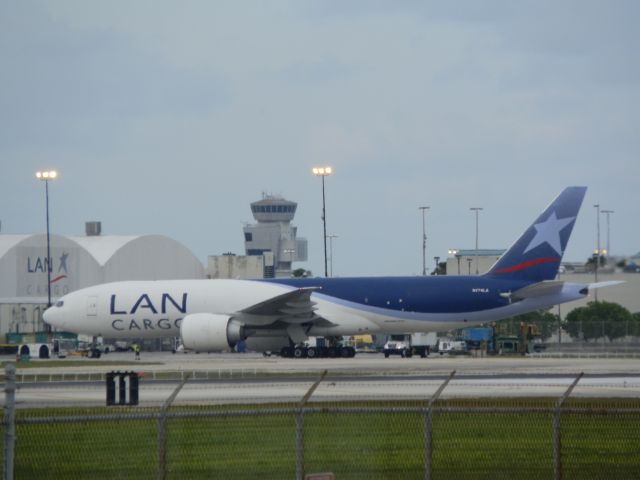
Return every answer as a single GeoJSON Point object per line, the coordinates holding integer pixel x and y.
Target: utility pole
{"type": "Point", "coordinates": [323, 172]}
{"type": "Point", "coordinates": [597, 207]}
{"type": "Point", "coordinates": [331, 236]}
{"type": "Point", "coordinates": [607, 213]}
{"type": "Point", "coordinates": [477, 210]}
{"type": "Point", "coordinates": [424, 242]}
{"type": "Point", "coordinates": [46, 177]}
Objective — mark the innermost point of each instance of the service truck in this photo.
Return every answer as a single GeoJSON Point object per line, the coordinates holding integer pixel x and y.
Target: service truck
{"type": "Point", "coordinates": [409, 345]}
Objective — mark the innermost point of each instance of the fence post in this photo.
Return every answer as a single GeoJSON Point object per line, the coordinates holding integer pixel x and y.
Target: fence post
{"type": "Point", "coordinates": [300, 427]}
{"type": "Point", "coordinates": [557, 440]}
{"type": "Point", "coordinates": [428, 429]}
{"type": "Point", "coordinates": [162, 430]}
{"type": "Point", "coordinates": [9, 419]}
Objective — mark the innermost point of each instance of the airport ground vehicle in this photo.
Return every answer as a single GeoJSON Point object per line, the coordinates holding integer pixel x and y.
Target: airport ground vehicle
{"type": "Point", "coordinates": [408, 345]}
{"type": "Point", "coordinates": [484, 339]}
{"type": "Point", "coordinates": [479, 338]}
{"type": "Point", "coordinates": [452, 346]}
{"type": "Point", "coordinates": [320, 347]}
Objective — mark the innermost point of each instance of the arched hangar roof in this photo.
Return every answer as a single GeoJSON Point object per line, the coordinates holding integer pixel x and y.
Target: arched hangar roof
{"type": "Point", "coordinates": [78, 262]}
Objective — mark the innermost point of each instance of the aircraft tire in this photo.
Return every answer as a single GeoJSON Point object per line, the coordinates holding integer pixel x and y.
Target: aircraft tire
{"type": "Point", "coordinates": [286, 352]}
{"type": "Point", "coordinates": [312, 352]}
{"type": "Point", "coordinates": [386, 354]}
{"type": "Point", "coordinates": [300, 352]}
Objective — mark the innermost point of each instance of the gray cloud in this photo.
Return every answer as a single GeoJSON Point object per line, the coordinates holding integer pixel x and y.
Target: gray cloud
{"type": "Point", "coordinates": [171, 118]}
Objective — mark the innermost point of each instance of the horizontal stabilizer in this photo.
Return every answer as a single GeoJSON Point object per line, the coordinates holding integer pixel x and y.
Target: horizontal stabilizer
{"type": "Point", "coordinates": [610, 283]}
{"type": "Point", "coordinates": [540, 289]}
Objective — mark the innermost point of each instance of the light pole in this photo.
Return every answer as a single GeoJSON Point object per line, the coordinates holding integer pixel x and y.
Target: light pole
{"type": "Point", "coordinates": [559, 316]}
{"type": "Point", "coordinates": [323, 172]}
{"type": "Point", "coordinates": [607, 213]}
{"type": "Point", "coordinates": [424, 242]}
{"type": "Point", "coordinates": [46, 176]}
{"type": "Point", "coordinates": [477, 210]}
{"type": "Point", "coordinates": [597, 253]}
{"type": "Point", "coordinates": [331, 236]}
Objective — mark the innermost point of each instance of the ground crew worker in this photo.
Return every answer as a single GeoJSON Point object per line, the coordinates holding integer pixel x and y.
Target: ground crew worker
{"type": "Point", "coordinates": [136, 348]}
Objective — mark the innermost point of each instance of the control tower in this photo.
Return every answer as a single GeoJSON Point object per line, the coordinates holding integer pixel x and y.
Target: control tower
{"type": "Point", "coordinates": [274, 233]}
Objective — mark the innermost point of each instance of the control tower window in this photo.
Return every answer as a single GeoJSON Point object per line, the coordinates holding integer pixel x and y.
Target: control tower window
{"type": "Point", "coordinates": [248, 237]}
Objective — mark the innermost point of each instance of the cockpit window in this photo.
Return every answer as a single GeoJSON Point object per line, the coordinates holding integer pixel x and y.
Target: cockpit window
{"type": "Point", "coordinates": [59, 303]}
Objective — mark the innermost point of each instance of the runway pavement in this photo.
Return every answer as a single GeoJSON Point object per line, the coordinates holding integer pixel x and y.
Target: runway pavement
{"type": "Point", "coordinates": [362, 364]}
{"type": "Point", "coordinates": [244, 378]}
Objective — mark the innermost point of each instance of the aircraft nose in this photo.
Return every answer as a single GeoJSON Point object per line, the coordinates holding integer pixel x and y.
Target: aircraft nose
{"type": "Point", "coordinates": [54, 316]}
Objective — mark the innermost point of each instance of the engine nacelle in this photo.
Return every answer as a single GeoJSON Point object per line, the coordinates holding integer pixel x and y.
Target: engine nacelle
{"type": "Point", "coordinates": [208, 332]}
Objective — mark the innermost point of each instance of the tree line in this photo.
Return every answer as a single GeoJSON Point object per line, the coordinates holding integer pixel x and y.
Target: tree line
{"type": "Point", "coordinates": [594, 321]}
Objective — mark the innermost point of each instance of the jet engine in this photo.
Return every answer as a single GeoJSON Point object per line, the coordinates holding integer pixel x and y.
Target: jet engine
{"type": "Point", "coordinates": [208, 332]}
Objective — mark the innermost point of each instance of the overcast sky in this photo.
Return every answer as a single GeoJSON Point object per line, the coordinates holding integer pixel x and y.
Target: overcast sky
{"type": "Point", "coordinates": [170, 117]}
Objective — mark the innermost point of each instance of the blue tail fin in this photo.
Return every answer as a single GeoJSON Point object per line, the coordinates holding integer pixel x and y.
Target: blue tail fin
{"type": "Point", "coordinates": [537, 254]}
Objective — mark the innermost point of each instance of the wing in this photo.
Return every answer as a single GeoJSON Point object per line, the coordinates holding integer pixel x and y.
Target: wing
{"type": "Point", "coordinates": [293, 312]}
{"type": "Point", "coordinates": [295, 304]}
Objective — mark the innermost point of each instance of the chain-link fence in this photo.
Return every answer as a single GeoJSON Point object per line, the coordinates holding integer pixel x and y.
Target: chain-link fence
{"type": "Point", "coordinates": [489, 438]}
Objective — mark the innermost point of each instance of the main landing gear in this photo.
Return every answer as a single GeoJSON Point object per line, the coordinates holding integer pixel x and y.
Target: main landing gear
{"type": "Point", "coordinates": [334, 350]}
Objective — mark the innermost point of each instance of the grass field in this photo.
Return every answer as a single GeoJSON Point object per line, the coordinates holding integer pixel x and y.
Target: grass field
{"type": "Point", "coordinates": [351, 445]}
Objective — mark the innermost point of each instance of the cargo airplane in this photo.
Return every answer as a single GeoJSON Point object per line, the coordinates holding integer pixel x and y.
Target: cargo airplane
{"type": "Point", "coordinates": [280, 314]}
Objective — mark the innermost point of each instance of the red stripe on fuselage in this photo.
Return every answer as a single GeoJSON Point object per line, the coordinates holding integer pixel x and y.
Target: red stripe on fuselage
{"type": "Point", "coordinates": [58, 278]}
{"type": "Point", "coordinates": [530, 263]}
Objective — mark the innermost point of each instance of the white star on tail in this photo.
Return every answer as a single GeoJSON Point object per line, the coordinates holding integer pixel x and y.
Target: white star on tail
{"type": "Point", "coordinates": [549, 232]}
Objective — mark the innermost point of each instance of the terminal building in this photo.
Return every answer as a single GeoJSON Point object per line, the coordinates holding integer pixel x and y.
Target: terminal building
{"type": "Point", "coordinates": [471, 262]}
{"type": "Point", "coordinates": [77, 262]}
